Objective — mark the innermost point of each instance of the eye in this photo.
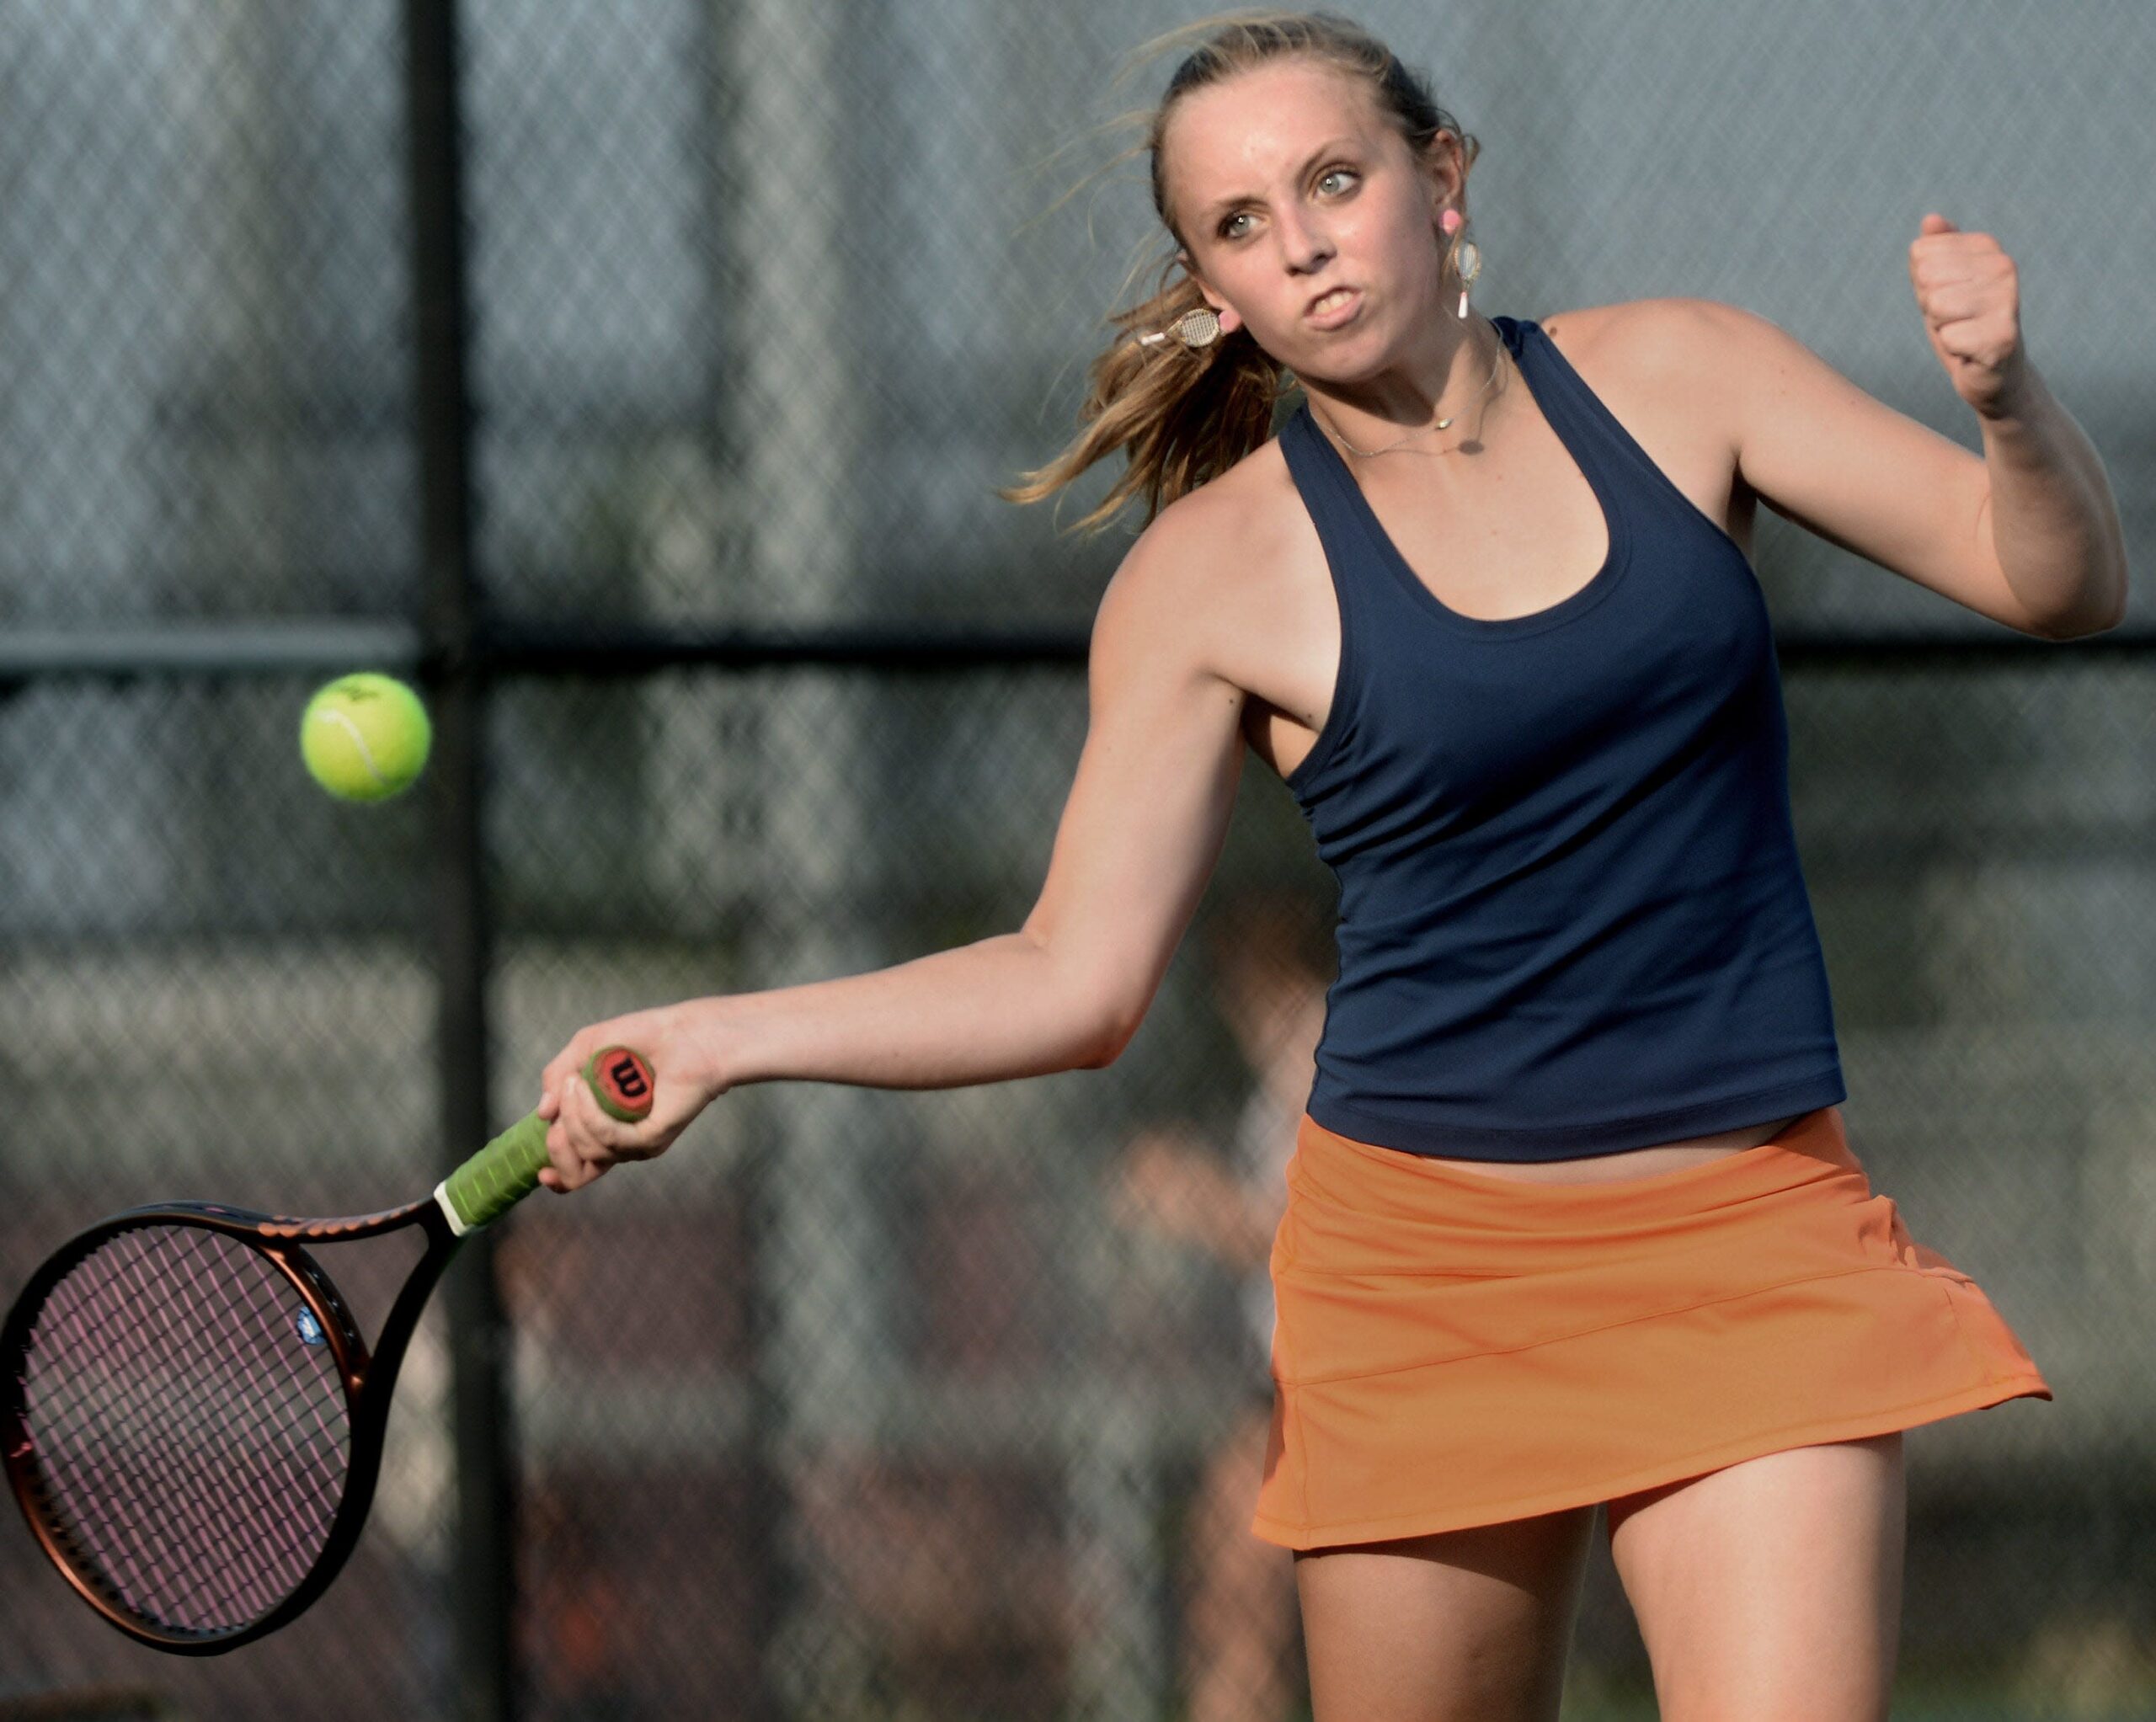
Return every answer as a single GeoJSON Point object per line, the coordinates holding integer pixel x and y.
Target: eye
{"type": "Point", "coordinates": [1227, 225]}
{"type": "Point", "coordinates": [1348, 174]}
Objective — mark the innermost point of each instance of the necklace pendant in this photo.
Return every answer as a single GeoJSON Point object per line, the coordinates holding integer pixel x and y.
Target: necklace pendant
{"type": "Point", "coordinates": [1445, 424]}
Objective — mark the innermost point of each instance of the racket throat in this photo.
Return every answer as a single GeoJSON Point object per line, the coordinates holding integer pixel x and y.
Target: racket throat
{"type": "Point", "coordinates": [457, 1228]}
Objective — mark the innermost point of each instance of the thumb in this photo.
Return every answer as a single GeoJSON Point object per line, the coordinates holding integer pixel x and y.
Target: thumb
{"type": "Point", "coordinates": [1937, 223]}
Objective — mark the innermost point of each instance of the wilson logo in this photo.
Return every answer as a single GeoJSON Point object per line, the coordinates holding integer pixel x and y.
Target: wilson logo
{"type": "Point", "coordinates": [627, 1079]}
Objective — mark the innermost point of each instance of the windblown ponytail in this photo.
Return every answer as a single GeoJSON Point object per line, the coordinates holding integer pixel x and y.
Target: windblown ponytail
{"type": "Point", "coordinates": [1182, 414]}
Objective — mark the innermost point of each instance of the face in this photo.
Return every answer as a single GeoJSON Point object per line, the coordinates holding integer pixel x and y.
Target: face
{"type": "Point", "coordinates": [1286, 184]}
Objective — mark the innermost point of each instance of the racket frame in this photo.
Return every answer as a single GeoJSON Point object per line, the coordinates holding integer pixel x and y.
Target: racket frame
{"type": "Point", "coordinates": [482, 1189]}
{"type": "Point", "coordinates": [369, 1381]}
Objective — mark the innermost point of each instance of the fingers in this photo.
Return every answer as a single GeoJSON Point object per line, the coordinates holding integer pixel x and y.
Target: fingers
{"type": "Point", "coordinates": [1979, 271]}
{"type": "Point", "coordinates": [583, 1139]}
{"type": "Point", "coordinates": [555, 1080]}
{"type": "Point", "coordinates": [581, 1143]}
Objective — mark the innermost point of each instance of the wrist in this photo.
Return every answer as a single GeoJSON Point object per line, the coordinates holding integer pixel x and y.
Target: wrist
{"type": "Point", "coordinates": [712, 1033]}
{"type": "Point", "coordinates": [2021, 395]}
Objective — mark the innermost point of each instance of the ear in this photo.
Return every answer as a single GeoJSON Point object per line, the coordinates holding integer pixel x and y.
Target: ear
{"type": "Point", "coordinates": [1231, 319]}
{"type": "Point", "coordinates": [1443, 174]}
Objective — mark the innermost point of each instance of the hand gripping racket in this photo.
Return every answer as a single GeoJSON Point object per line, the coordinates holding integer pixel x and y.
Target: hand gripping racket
{"type": "Point", "coordinates": [190, 1420]}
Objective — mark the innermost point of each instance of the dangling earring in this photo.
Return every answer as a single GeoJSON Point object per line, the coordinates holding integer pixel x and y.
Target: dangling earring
{"type": "Point", "coordinates": [1194, 328]}
{"type": "Point", "coordinates": [1469, 263]}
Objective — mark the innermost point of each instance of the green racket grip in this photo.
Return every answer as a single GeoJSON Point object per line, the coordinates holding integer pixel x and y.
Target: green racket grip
{"type": "Point", "coordinates": [497, 1177]}
{"type": "Point", "coordinates": [506, 1170]}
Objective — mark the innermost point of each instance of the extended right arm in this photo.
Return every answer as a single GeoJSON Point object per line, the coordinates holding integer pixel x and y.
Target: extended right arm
{"type": "Point", "coordinates": [1140, 833]}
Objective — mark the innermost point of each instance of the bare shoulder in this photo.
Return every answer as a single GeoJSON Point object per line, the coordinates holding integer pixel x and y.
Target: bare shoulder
{"type": "Point", "coordinates": [1660, 335]}
{"type": "Point", "coordinates": [1158, 604]}
{"type": "Point", "coordinates": [1204, 555]}
{"type": "Point", "coordinates": [1573, 331]}
{"type": "Point", "coordinates": [1686, 355]}
{"type": "Point", "coordinates": [1228, 519]}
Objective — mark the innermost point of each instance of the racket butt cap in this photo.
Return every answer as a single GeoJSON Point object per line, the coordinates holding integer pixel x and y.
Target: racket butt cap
{"type": "Point", "coordinates": [623, 1082]}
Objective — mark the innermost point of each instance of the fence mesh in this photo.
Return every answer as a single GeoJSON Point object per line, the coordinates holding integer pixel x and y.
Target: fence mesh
{"type": "Point", "coordinates": [950, 1404]}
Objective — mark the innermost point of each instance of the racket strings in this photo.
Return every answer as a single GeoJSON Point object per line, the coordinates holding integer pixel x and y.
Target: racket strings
{"type": "Point", "coordinates": [139, 1460]}
{"type": "Point", "coordinates": [189, 1425]}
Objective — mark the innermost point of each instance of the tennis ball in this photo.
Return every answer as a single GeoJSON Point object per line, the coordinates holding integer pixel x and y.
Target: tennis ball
{"type": "Point", "coordinates": [364, 737]}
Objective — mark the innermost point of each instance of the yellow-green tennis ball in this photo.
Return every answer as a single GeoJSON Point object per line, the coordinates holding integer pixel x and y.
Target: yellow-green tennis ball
{"type": "Point", "coordinates": [364, 737]}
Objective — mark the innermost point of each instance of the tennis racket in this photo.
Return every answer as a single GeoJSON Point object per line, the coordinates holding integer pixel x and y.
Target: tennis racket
{"type": "Point", "coordinates": [190, 1419]}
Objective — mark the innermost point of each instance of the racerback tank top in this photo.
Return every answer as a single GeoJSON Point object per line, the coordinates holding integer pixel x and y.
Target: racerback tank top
{"type": "Point", "coordinates": [1571, 918]}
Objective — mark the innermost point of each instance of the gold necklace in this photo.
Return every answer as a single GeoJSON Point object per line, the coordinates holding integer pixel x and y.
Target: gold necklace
{"type": "Point", "coordinates": [1497, 367]}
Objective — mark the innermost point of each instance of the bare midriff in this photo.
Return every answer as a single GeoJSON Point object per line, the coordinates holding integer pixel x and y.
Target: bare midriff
{"type": "Point", "coordinates": [1631, 1162]}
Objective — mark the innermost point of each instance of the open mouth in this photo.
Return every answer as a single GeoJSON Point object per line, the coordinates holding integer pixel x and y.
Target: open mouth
{"type": "Point", "coordinates": [1328, 308]}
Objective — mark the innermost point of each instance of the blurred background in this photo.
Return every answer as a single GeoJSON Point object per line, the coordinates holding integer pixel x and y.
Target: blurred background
{"type": "Point", "coordinates": [634, 376]}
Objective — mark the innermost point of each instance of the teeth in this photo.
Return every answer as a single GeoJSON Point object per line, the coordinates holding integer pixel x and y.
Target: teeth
{"type": "Point", "coordinates": [1336, 297]}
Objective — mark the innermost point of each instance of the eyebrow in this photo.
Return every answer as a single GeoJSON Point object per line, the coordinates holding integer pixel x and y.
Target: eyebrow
{"type": "Point", "coordinates": [1212, 211]}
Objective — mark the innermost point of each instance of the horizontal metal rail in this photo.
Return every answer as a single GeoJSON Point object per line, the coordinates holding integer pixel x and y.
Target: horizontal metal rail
{"type": "Point", "coordinates": [219, 648]}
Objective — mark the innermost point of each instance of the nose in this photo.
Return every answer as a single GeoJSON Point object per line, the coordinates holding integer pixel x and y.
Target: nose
{"type": "Point", "coordinates": [1303, 247]}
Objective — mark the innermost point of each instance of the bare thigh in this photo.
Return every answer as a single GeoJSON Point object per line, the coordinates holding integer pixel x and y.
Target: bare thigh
{"type": "Point", "coordinates": [1771, 1589]}
{"type": "Point", "coordinates": [1464, 1624]}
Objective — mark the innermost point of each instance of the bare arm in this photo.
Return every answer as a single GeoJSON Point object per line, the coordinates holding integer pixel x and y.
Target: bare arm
{"type": "Point", "coordinates": [983, 1012]}
{"type": "Point", "coordinates": [1141, 830]}
{"type": "Point", "coordinates": [2049, 519]}
{"type": "Point", "coordinates": [1140, 833]}
{"type": "Point", "coordinates": [2027, 535]}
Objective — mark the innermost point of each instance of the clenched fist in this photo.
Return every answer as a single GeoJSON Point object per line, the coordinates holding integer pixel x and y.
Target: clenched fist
{"type": "Point", "coordinates": [1968, 291]}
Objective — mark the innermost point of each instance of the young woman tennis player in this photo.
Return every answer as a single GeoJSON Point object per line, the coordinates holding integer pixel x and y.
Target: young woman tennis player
{"type": "Point", "coordinates": [1572, 1216]}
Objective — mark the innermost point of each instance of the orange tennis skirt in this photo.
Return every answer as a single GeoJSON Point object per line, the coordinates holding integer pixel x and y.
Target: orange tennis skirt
{"type": "Point", "coordinates": [1457, 1348]}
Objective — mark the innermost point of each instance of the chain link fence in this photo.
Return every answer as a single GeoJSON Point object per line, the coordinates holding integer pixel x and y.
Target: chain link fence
{"type": "Point", "coordinates": [948, 1403]}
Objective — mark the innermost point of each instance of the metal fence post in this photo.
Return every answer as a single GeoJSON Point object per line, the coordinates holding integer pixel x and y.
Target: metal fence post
{"type": "Point", "coordinates": [484, 1566]}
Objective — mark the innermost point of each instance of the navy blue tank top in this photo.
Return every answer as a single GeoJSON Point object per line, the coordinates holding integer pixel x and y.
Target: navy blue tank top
{"type": "Point", "coordinates": [1571, 918]}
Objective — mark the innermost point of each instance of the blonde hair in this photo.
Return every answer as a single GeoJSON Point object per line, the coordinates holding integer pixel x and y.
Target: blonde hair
{"type": "Point", "coordinates": [1183, 415]}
